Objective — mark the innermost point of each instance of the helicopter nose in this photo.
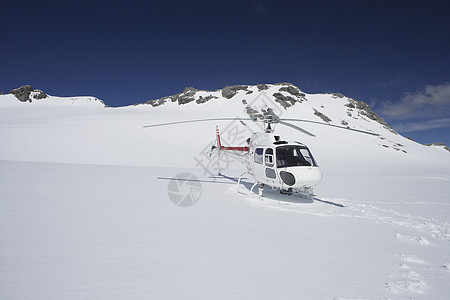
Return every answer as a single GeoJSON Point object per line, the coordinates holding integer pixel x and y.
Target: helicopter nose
{"type": "Point", "coordinates": [297, 177]}
{"type": "Point", "coordinates": [288, 178]}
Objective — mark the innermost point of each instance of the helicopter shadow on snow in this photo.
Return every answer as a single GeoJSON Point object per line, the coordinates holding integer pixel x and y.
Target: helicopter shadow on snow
{"type": "Point", "coordinates": [275, 195]}
{"type": "Point", "coordinates": [268, 193]}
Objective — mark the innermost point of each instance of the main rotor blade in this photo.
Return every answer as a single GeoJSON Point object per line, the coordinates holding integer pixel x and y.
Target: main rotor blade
{"type": "Point", "coordinates": [296, 127]}
{"type": "Point", "coordinates": [196, 121]}
{"type": "Point", "coordinates": [332, 125]}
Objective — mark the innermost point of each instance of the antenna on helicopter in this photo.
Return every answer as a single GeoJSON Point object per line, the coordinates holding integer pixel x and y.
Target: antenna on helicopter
{"type": "Point", "coordinates": [268, 128]}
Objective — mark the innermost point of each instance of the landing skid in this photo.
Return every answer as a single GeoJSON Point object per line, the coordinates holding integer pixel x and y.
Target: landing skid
{"type": "Point", "coordinates": [306, 192]}
{"type": "Point", "coordinates": [258, 184]}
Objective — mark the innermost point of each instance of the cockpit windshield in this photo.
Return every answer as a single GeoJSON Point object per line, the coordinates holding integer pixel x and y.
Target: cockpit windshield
{"type": "Point", "coordinates": [293, 156]}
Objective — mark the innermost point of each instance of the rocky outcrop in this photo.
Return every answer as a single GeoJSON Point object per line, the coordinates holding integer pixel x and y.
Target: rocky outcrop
{"type": "Point", "coordinates": [27, 93]}
{"type": "Point", "coordinates": [364, 109]}
{"type": "Point", "coordinates": [293, 90]}
{"type": "Point", "coordinates": [188, 95]}
{"type": "Point", "coordinates": [202, 99]}
{"type": "Point", "coordinates": [322, 116]}
{"type": "Point", "coordinates": [443, 145]}
{"type": "Point", "coordinates": [295, 95]}
{"type": "Point", "coordinates": [40, 95]}
{"type": "Point", "coordinates": [262, 87]}
{"type": "Point", "coordinates": [157, 102]}
{"type": "Point", "coordinates": [253, 113]}
{"type": "Point", "coordinates": [337, 95]}
{"type": "Point", "coordinates": [23, 93]}
{"type": "Point", "coordinates": [229, 92]}
{"type": "Point", "coordinates": [285, 101]}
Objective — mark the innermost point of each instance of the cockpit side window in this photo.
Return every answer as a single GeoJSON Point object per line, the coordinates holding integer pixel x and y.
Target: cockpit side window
{"type": "Point", "coordinates": [268, 157]}
{"type": "Point", "coordinates": [307, 156]}
{"type": "Point", "coordinates": [259, 155]}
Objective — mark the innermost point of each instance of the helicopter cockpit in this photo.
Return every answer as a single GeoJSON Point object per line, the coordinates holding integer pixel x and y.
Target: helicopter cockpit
{"type": "Point", "coordinates": [294, 156]}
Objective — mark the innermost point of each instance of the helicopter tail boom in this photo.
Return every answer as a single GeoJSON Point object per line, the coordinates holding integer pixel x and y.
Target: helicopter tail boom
{"type": "Point", "coordinates": [244, 149]}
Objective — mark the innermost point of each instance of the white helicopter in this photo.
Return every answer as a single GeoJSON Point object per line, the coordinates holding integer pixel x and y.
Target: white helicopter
{"type": "Point", "coordinates": [271, 160]}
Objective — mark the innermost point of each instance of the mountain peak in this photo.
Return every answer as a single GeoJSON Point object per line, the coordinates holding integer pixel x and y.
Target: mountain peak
{"type": "Point", "coordinates": [284, 94]}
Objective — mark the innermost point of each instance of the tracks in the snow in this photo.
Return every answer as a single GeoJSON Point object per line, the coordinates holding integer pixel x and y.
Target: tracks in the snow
{"type": "Point", "coordinates": [413, 272]}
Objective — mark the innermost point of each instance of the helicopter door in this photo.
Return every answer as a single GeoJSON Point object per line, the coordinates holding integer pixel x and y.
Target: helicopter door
{"type": "Point", "coordinates": [269, 161]}
{"type": "Point", "coordinates": [258, 165]}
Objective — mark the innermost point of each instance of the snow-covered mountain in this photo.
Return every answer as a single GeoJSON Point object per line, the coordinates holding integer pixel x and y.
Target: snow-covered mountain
{"type": "Point", "coordinates": [83, 130]}
{"type": "Point", "coordinates": [85, 209]}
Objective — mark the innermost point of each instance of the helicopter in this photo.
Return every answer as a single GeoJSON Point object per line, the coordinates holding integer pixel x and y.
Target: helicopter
{"type": "Point", "coordinates": [272, 161]}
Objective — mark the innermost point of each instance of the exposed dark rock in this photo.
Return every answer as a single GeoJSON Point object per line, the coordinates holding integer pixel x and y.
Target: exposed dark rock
{"type": "Point", "coordinates": [262, 87]}
{"type": "Point", "coordinates": [293, 90]}
{"type": "Point", "coordinates": [205, 99]}
{"type": "Point", "coordinates": [157, 102]}
{"type": "Point", "coordinates": [350, 105]}
{"type": "Point", "coordinates": [40, 95]}
{"type": "Point", "coordinates": [253, 113]}
{"type": "Point", "coordinates": [27, 93]}
{"type": "Point", "coordinates": [343, 122]}
{"type": "Point", "coordinates": [322, 116]}
{"type": "Point", "coordinates": [366, 110]}
{"type": "Point", "coordinates": [337, 95]}
{"type": "Point", "coordinates": [228, 92]}
{"type": "Point", "coordinates": [443, 145]}
{"type": "Point", "coordinates": [285, 101]}
{"type": "Point", "coordinates": [23, 93]}
{"type": "Point", "coordinates": [188, 95]}
{"type": "Point", "coordinates": [189, 90]}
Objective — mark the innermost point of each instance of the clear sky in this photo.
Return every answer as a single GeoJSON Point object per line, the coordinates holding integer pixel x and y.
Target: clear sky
{"type": "Point", "coordinates": [395, 55]}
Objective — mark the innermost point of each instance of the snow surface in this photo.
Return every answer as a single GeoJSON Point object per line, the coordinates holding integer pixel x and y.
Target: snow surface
{"type": "Point", "coordinates": [85, 211]}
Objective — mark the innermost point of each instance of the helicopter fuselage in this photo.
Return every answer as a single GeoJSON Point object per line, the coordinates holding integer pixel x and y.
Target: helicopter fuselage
{"type": "Point", "coordinates": [270, 159]}
{"type": "Point", "coordinates": [274, 162]}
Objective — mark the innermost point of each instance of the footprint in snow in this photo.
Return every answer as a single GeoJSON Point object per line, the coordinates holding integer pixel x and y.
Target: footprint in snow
{"type": "Point", "coordinates": [411, 282]}
{"type": "Point", "coordinates": [412, 239]}
{"type": "Point", "coordinates": [446, 267]}
{"type": "Point", "coordinates": [407, 286]}
{"type": "Point", "coordinates": [412, 258]}
{"type": "Point", "coordinates": [411, 275]}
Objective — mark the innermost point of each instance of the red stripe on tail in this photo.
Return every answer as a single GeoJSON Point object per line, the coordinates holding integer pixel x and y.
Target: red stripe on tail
{"type": "Point", "coordinates": [246, 149]}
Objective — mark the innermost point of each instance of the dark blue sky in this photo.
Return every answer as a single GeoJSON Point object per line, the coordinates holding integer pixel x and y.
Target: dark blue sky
{"type": "Point", "coordinates": [395, 55]}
